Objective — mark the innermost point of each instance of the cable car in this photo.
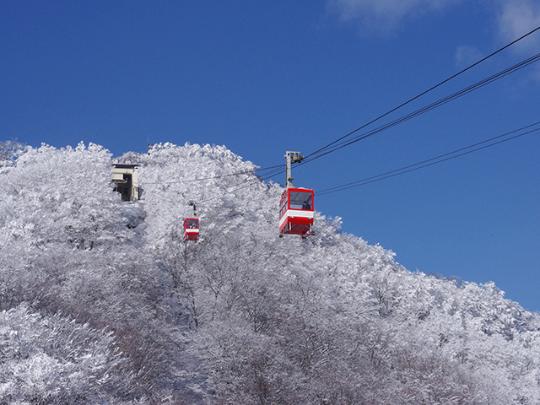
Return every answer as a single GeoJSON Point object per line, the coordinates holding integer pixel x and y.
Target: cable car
{"type": "Point", "coordinates": [191, 226]}
{"type": "Point", "coordinates": [296, 211]}
{"type": "Point", "coordinates": [296, 207]}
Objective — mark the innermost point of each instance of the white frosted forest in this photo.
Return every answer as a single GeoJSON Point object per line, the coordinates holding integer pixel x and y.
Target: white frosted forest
{"type": "Point", "coordinates": [101, 302]}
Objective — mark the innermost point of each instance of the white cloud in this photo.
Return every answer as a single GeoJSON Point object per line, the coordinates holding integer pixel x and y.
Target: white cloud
{"type": "Point", "coordinates": [465, 55]}
{"type": "Point", "coordinates": [516, 17]}
{"type": "Point", "coordinates": [511, 19]}
{"type": "Point", "coordinates": [385, 14]}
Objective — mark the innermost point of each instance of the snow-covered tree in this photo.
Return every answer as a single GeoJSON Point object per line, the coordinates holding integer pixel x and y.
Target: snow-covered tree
{"type": "Point", "coordinates": [242, 316]}
{"type": "Point", "coordinates": [51, 359]}
{"type": "Point", "coordinates": [9, 151]}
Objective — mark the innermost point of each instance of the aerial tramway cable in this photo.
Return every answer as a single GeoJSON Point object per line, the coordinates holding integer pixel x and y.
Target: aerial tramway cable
{"type": "Point", "coordinates": [431, 106]}
{"type": "Point", "coordinates": [454, 154]}
{"type": "Point", "coordinates": [426, 108]}
{"type": "Point", "coordinates": [424, 92]}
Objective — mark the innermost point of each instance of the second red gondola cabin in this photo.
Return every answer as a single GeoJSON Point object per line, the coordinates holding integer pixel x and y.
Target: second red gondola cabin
{"type": "Point", "coordinates": [191, 228]}
{"type": "Point", "coordinates": [296, 211]}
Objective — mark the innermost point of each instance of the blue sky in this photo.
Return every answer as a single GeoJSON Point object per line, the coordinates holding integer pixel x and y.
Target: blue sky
{"type": "Point", "coordinates": [263, 77]}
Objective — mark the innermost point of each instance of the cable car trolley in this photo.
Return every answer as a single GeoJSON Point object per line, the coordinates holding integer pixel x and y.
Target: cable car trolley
{"type": "Point", "coordinates": [296, 208]}
{"type": "Point", "coordinates": [191, 226]}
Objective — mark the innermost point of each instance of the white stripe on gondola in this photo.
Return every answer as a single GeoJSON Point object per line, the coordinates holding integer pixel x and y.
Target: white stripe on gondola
{"type": "Point", "coordinates": [192, 231]}
{"type": "Point", "coordinates": [295, 213]}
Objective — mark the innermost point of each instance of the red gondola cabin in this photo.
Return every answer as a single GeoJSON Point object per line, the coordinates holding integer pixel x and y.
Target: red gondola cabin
{"type": "Point", "coordinates": [296, 211]}
{"type": "Point", "coordinates": [191, 228]}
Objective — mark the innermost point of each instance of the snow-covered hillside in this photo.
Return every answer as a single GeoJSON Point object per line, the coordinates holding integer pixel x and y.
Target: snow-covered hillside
{"type": "Point", "coordinates": [101, 301]}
